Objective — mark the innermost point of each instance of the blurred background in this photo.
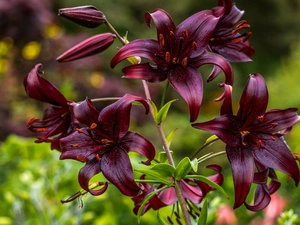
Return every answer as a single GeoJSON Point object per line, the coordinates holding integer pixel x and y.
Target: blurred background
{"type": "Point", "coordinates": [33, 180]}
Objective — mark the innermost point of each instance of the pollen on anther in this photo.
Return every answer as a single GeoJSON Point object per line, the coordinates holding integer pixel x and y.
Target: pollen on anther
{"type": "Point", "coordinates": [168, 57]}
{"type": "Point", "coordinates": [260, 118]}
{"type": "Point", "coordinates": [273, 138]}
{"type": "Point", "coordinates": [75, 145]}
{"type": "Point", "coordinates": [93, 125]}
{"type": "Point", "coordinates": [259, 143]}
{"type": "Point", "coordinates": [186, 33]}
{"type": "Point", "coordinates": [80, 158]}
{"type": "Point", "coordinates": [98, 157]}
{"type": "Point", "coordinates": [194, 46]}
{"type": "Point", "coordinates": [79, 130]}
{"type": "Point", "coordinates": [161, 40]}
{"type": "Point", "coordinates": [274, 124]}
{"type": "Point", "coordinates": [184, 62]}
{"type": "Point", "coordinates": [171, 33]}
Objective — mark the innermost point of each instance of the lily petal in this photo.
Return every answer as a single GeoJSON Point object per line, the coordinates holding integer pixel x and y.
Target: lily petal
{"type": "Point", "coordinates": [274, 153]}
{"type": "Point", "coordinates": [144, 72]}
{"type": "Point", "coordinates": [226, 127]}
{"type": "Point", "coordinates": [261, 200]}
{"type": "Point", "coordinates": [254, 101]}
{"type": "Point", "coordinates": [242, 165]}
{"type": "Point", "coordinates": [188, 83]}
{"type": "Point", "coordinates": [79, 146]}
{"type": "Point", "coordinates": [116, 167]}
{"type": "Point", "coordinates": [40, 89]}
{"type": "Point", "coordinates": [147, 48]}
{"type": "Point", "coordinates": [276, 120]}
{"type": "Point", "coordinates": [91, 168]}
{"type": "Point", "coordinates": [199, 28]}
{"type": "Point", "coordinates": [115, 117]}
{"type": "Point", "coordinates": [137, 143]}
{"type": "Point", "coordinates": [86, 112]}
{"type": "Point", "coordinates": [164, 25]}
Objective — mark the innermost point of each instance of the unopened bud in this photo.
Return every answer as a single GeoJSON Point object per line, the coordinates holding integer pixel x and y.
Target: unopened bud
{"type": "Point", "coordinates": [88, 47]}
{"type": "Point", "coordinates": [87, 16]}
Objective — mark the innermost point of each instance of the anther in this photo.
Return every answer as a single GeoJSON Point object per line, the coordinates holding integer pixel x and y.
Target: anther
{"type": "Point", "coordinates": [93, 125]}
{"type": "Point", "coordinates": [161, 40]}
{"type": "Point", "coordinates": [41, 129]}
{"type": "Point", "coordinates": [260, 118]}
{"type": "Point", "coordinates": [79, 130]}
{"type": "Point", "coordinates": [31, 121]}
{"type": "Point", "coordinates": [194, 46]}
{"type": "Point", "coordinates": [168, 57]}
{"type": "Point", "coordinates": [171, 33]}
{"type": "Point", "coordinates": [259, 143]}
{"type": "Point", "coordinates": [184, 62]}
{"type": "Point", "coordinates": [80, 158]}
{"type": "Point", "coordinates": [274, 125]}
{"type": "Point", "coordinates": [186, 33]}
{"type": "Point", "coordinates": [98, 157]}
{"type": "Point", "coordinates": [75, 145]}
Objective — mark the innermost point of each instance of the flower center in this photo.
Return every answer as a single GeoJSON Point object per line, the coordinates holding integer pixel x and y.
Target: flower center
{"type": "Point", "coordinates": [177, 52]}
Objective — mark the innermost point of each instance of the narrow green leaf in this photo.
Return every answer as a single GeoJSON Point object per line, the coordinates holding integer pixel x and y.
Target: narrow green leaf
{"type": "Point", "coordinates": [161, 172]}
{"type": "Point", "coordinates": [161, 220]}
{"type": "Point", "coordinates": [153, 109]}
{"type": "Point", "coordinates": [183, 168]}
{"type": "Point", "coordinates": [162, 114]}
{"type": "Point", "coordinates": [209, 182]}
{"type": "Point", "coordinates": [203, 216]}
{"type": "Point", "coordinates": [170, 137]}
{"type": "Point", "coordinates": [146, 199]}
{"type": "Point", "coordinates": [162, 157]}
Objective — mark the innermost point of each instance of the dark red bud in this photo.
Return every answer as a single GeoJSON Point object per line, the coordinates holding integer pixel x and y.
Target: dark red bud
{"type": "Point", "coordinates": [87, 16]}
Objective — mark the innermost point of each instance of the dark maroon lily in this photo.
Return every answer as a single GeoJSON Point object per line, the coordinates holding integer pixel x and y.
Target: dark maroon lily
{"type": "Point", "coordinates": [177, 54]}
{"type": "Point", "coordinates": [103, 145]}
{"type": "Point", "coordinates": [254, 142]}
{"type": "Point", "coordinates": [193, 190]}
{"type": "Point", "coordinates": [87, 16]}
{"type": "Point", "coordinates": [226, 39]}
{"type": "Point", "coordinates": [57, 121]}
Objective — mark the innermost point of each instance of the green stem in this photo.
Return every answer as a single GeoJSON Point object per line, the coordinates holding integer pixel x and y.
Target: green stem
{"type": "Point", "coordinates": [163, 99]}
{"type": "Point", "coordinates": [202, 147]}
{"type": "Point", "coordinates": [115, 32]}
{"type": "Point", "coordinates": [105, 99]}
{"type": "Point", "coordinates": [179, 192]}
{"type": "Point", "coordinates": [163, 138]}
{"type": "Point", "coordinates": [211, 156]}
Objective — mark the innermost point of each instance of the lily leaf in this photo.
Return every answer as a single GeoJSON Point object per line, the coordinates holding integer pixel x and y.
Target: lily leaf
{"type": "Point", "coordinates": [146, 199]}
{"type": "Point", "coordinates": [183, 168]}
{"type": "Point", "coordinates": [170, 137]}
{"type": "Point", "coordinates": [153, 108]}
{"type": "Point", "coordinates": [161, 172]}
{"type": "Point", "coordinates": [161, 220]}
{"type": "Point", "coordinates": [209, 182]}
{"type": "Point", "coordinates": [203, 216]}
{"type": "Point", "coordinates": [162, 114]}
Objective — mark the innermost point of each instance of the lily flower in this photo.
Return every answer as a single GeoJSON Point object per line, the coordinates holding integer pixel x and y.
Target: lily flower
{"type": "Point", "coordinates": [57, 121]}
{"type": "Point", "coordinates": [193, 190]}
{"type": "Point", "coordinates": [255, 145]}
{"type": "Point", "coordinates": [226, 39]}
{"type": "Point", "coordinates": [177, 54]}
{"type": "Point", "coordinates": [103, 145]}
{"type": "Point", "coordinates": [87, 16]}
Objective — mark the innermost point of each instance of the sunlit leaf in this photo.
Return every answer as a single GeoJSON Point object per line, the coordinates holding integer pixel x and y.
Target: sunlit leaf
{"type": "Point", "coordinates": [162, 114]}
{"type": "Point", "coordinates": [183, 168]}
{"type": "Point", "coordinates": [170, 137]}
{"type": "Point", "coordinates": [203, 216]}
{"type": "Point", "coordinates": [146, 199]}
{"type": "Point", "coordinates": [209, 182]}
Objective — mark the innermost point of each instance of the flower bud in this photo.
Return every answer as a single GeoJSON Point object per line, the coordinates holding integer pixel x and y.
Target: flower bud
{"type": "Point", "coordinates": [88, 47]}
{"type": "Point", "coordinates": [87, 16]}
